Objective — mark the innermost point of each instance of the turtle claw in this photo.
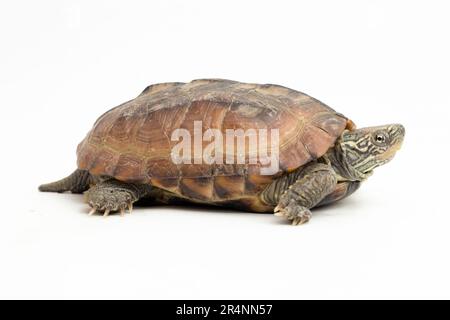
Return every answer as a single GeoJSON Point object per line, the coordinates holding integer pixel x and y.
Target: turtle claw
{"type": "Point", "coordinates": [293, 212]}
{"type": "Point", "coordinates": [277, 212]}
{"type": "Point", "coordinates": [300, 220]}
{"type": "Point", "coordinates": [107, 211]}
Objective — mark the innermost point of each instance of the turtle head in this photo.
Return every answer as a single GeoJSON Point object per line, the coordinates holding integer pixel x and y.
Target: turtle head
{"type": "Point", "coordinates": [363, 150]}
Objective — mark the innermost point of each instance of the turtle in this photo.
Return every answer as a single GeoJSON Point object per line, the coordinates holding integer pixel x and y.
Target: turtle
{"type": "Point", "coordinates": [285, 152]}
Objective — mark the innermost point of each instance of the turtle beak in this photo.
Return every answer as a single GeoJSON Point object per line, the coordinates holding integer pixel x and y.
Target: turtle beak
{"type": "Point", "coordinates": [397, 135]}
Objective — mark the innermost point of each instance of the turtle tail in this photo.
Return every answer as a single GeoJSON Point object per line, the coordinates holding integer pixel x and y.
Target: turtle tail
{"type": "Point", "coordinates": [77, 182]}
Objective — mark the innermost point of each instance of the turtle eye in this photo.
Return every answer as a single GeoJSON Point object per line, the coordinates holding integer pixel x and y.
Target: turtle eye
{"type": "Point", "coordinates": [380, 138]}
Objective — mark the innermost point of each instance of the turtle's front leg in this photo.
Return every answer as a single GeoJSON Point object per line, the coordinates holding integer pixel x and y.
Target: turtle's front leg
{"type": "Point", "coordinates": [313, 184]}
{"type": "Point", "coordinates": [113, 195]}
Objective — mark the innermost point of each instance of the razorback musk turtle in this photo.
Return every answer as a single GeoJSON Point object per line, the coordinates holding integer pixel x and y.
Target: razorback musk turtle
{"type": "Point", "coordinates": [260, 148]}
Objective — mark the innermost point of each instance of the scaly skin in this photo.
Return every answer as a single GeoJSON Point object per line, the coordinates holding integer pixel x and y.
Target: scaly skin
{"type": "Point", "coordinates": [314, 182]}
{"type": "Point", "coordinates": [356, 154]}
{"type": "Point", "coordinates": [104, 194]}
{"type": "Point", "coordinates": [113, 195]}
{"type": "Point", "coordinates": [78, 182]}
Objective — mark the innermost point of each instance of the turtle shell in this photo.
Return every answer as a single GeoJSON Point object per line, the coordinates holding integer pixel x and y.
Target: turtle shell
{"type": "Point", "coordinates": [133, 142]}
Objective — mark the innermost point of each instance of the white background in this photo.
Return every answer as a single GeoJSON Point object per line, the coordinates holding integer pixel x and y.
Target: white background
{"type": "Point", "coordinates": [63, 63]}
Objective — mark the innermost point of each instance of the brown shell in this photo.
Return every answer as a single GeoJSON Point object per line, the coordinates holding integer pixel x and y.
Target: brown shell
{"type": "Point", "coordinates": [132, 142]}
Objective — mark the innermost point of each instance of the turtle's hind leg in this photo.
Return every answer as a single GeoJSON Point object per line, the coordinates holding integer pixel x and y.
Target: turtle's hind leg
{"type": "Point", "coordinates": [77, 182]}
{"type": "Point", "coordinates": [114, 195]}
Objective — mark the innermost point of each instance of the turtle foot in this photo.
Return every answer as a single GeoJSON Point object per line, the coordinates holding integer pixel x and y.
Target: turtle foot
{"type": "Point", "coordinates": [293, 212]}
{"type": "Point", "coordinates": [107, 198]}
